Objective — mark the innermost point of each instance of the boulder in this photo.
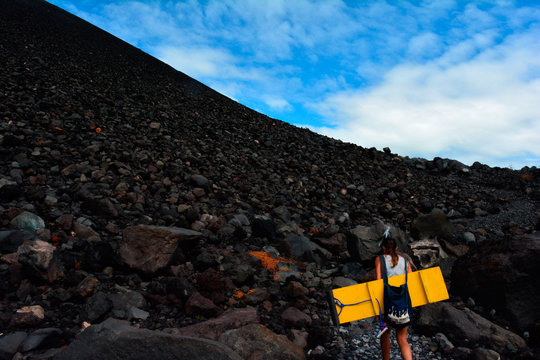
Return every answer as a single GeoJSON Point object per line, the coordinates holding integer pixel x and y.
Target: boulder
{"type": "Point", "coordinates": [363, 241]}
{"type": "Point", "coordinates": [257, 342]}
{"type": "Point", "coordinates": [504, 276]}
{"type": "Point", "coordinates": [150, 248]}
{"type": "Point", "coordinates": [428, 252]}
{"type": "Point", "coordinates": [433, 225]}
{"type": "Point", "coordinates": [213, 328]}
{"type": "Point", "coordinates": [464, 327]}
{"type": "Point", "coordinates": [115, 339]}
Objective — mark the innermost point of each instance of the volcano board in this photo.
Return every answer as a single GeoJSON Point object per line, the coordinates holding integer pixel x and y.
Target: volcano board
{"type": "Point", "coordinates": [364, 300]}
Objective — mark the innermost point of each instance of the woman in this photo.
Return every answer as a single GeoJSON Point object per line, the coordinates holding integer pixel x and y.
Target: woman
{"type": "Point", "coordinates": [395, 265]}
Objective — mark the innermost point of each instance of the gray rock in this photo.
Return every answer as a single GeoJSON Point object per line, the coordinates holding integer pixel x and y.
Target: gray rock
{"type": "Point", "coordinates": [200, 180]}
{"type": "Point", "coordinates": [444, 344]}
{"type": "Point", "coordinates": [303, 248]}
{"type": "Point", "coordinates": [136, 313]}
{"type": "Point", "coordinates": [464, 327]}
{"type": "Point", "coordinates": [469, 237]}
{"type": "Point", "coordinates": [96, 307]}
{"type": "Point", "coordinates": [341, 281]}
{"type": "Point", "coordinates": [39, 337]}
{"type": "Point", "coordinates": [11, 343]}
{"type": "Point", "coordinates": [116, 340]}
{"type": "Point", "coordinates": [28, 221]}
{"type": "Point", "coordinates": [123, 302]}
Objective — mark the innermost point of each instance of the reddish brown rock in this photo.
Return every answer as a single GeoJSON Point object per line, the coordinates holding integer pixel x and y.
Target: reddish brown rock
{"type": "Point", "coordinates": [295, 318]}
{"type": "Point", "coordinates": [85, 233]}
{"type": "Point", "coordinates": [150, 248]}
{"type": "Point", "coordinates": [296, 289]}
{"type": "Point", "coordinates": [256, 342]}
{"type": "Point", "coordinates": [199, 305]}
{"type": "Point", "coordinates": [213, 328]}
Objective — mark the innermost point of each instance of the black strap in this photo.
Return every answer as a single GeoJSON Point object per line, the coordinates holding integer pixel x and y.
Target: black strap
{"type": "Point", "coordinates": [383, 269]}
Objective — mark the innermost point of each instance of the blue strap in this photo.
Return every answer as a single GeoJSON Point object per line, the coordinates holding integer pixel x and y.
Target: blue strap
{"type": "Point", "coordinates": [341, 305]}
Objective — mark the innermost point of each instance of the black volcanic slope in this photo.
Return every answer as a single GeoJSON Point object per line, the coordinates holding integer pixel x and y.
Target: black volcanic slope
{"type": "Point", "coordinates": [96, 130]}
{"type": "Point", "coordinates": [61, 72]}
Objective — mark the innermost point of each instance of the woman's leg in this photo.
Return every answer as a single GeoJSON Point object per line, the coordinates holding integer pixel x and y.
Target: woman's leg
{"type": "Point", "coordinates": [385, 345]}
{"type": "Point", "coordinates": [401, 336]}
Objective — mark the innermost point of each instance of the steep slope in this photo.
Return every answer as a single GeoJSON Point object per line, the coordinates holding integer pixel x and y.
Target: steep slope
{"type": "Point", "coordinates": [97, 136]}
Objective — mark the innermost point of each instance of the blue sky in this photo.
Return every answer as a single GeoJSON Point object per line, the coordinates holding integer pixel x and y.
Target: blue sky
{"type": "Point", "coordinates": [454, 79]}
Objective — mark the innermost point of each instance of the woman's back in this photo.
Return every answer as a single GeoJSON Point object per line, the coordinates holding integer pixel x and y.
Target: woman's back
{"type": "Point", "coordinates": [399, 269]}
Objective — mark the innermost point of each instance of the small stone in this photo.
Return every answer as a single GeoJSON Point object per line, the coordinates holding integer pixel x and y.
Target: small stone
{"type": "Point", "coordinates": [87, 287]}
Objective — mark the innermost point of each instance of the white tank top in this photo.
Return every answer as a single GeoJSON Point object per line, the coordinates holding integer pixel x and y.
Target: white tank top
{"type": "Point", "coordinates": [399, 269]}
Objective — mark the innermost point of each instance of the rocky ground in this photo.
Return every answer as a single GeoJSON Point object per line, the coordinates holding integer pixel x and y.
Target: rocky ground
{"type": "Point", "coordinates": [131, 194]}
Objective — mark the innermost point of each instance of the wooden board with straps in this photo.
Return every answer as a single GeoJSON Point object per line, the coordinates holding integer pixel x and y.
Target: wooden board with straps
{"type": "Point", "coordinates": [365, 300]}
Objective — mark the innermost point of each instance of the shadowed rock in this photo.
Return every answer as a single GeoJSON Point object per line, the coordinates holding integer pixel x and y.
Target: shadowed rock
{"type": "Point", "coordinates": [116, 340]}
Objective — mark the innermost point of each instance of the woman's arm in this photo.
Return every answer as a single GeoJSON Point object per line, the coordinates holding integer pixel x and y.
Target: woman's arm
{"type": "Point", "coordinates": [378, 268]}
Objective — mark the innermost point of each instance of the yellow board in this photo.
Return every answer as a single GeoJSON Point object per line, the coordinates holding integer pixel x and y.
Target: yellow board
{"type": "Point", "coordinates": [359, 301]}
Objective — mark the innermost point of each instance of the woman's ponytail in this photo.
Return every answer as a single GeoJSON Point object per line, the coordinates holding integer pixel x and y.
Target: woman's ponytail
{"type": "Point", "coordinates": [391, 248]}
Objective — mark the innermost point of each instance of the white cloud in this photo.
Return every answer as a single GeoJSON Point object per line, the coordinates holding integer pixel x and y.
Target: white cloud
{"type": "Point", "coordinates": [277, 103]}
{"type": "Point", "coordinates": [483, 107]}
{"type": "Point", "coordinates": [195, 62]}
{"type": "Point", "coordinates": [426, 44]}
